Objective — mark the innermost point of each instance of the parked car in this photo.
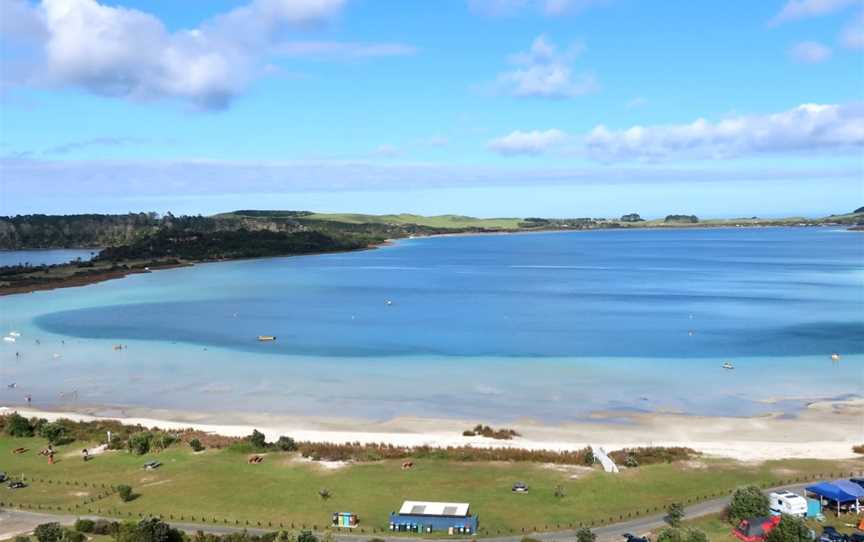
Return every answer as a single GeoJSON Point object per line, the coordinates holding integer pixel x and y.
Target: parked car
{"type": "Point", "coordinates": [14, 484]}
{"type": "Point", "coordinates": [634, 538]}
{"type": "Point", "coordinates": [520, 487]}
{"type": "Point", "coordinates": [152, 465]}
{"type": "Point", "coordinates": [830, 534]}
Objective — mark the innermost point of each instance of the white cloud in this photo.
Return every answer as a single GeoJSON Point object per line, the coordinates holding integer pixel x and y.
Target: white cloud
{"type": "Point", "coordinates": [335, 49]}
{"type": "Point", "coordinates": [545, 71]}
{"type": "Point", "coordinates": [795, 10]}
{"type": "Point", "coordinates": [810, 52]}
{"type": "Point", "coordinates": [852, 36]}
{"type": "Point", "coordinates": [804, 129]}
{"type": "Point", "coordinates": [531, 143]}
{"type": "Point", "coordinates": [547, 7]}
{"type": "Point", "coordinates": [636, 102]}
{"type": "Point", "coordinates": [127, 53]}
{"type": "Point", "coordinates": [387, 151]}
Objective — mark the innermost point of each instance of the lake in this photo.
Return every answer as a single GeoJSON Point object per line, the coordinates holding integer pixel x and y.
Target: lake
{"type": "Point", "coordinates": [551, 326]}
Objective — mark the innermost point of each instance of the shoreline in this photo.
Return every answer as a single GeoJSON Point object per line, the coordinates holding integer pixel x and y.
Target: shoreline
{"type": "Point", "coordinates": [824, 430]}
{"type": "Point", "coordinates": [96, 278]}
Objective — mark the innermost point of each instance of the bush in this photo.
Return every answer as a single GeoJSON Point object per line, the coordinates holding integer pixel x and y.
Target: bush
{"type": "Point", "coordinates": [695, 535]}
{"type": "Point", "coordinates": [286, 444]}
{"type": "Point", "coordinates": [139, 443]}
{"type": "Point", "coordinates": [529, 539]}
{"type": "Point", "coordinates": [125, 492]}
{"type": "Point", "coordinates": [631, 461]}
{"type": "Point", "coordinates": [790, 529]}
{"type": "Point", "coordinates": [84, 525]}
{"type": "Point", "coordinates": [105, 527]}
{"type": "Point", "coordinates": [49, 532]}
{"type": "Point", "coordinates": [21, 538]}
{"type": "Point", "coordinates": [858, 448]}
{"type": "Point", "coordinates": [257, 439]}
{"type": "Point", "coordinates": [53, 433]}
{"type": "Point", "coordinates": [18, 426]}
{"type": "Point", "coordinates": [148, 530]}
{"type": "Point", "coordinates": [324, 493]}
{"type": "Point", "coordinates": [196, 445]}
{"type": "Point", "coordinates": [585, 535]}
{"type": "Point", "coordinates": [73, 536]}
{"type": "Point", "coordinates": [306, 536]}
{"type": "Point", "coordinates": [748, 502]}
{"type": "Point", "coordinates": [674, 514]}
{"type": "Point", "coordinates": [589, 458]}
{"type": "Point", "coordinates": [670, 534]}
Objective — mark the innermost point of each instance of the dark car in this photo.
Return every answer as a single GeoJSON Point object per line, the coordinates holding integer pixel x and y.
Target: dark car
{"type": "Point", "coordinates": [634, 538]}
{"type": "Point", "coordinates": [830, 534]}
{"type": "Point", "coordinates": [15, 484]}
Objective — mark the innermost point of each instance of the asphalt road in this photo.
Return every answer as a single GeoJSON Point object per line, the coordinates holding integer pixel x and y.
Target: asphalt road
{"type": "Point", "coordinates": [15, 522]}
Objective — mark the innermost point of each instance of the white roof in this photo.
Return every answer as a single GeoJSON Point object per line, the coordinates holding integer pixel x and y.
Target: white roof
{"type": "Point", "coordinates": [422, 508]}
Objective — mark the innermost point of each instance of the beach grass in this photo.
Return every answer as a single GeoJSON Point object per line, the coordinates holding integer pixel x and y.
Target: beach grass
{"type": "Point", "coordinates": [220, 486]}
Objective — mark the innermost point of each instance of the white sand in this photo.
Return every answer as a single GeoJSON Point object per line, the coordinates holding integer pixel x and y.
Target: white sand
{"type": "Point", "coordinates": [822, 431]}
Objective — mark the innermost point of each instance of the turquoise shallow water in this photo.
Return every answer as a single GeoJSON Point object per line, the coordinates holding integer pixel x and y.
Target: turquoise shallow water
{"type": "Point", "coordinates": [550, 326]}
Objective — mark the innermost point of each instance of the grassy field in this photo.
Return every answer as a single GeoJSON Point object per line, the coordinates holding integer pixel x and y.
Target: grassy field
{"type": "Point", "coordinates": [284, 489]}
{"type": "Point", "coordinates": [441, 221]}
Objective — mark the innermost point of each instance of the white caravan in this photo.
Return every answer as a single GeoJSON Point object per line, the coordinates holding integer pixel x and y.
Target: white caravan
{"type": "Point", "coordinates": [786, 502]}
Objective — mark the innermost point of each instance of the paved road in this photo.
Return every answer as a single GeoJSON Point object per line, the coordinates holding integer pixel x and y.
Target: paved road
{"type": "Point", "coordinates": [15, 522]}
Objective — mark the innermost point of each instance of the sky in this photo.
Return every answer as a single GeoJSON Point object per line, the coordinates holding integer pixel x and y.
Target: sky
{"type": "Point", "coordinates": [564, 108]}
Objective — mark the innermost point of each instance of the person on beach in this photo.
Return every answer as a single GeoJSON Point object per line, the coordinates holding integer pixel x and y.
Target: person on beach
{"type": "Point", "coordinates": [29, 399]}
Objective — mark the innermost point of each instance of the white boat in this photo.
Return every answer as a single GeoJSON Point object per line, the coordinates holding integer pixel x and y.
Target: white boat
{"type": "Point", "coordinates": [14, 334]}
{"type": "Point", "coordinates": [835, 357]}
{"type": "Point", "coordinates": [9, 339]}
{"type": "Point", "coordinates": [728, 365]}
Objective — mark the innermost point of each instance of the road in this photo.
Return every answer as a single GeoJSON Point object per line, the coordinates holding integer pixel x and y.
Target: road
{"type": "Point", "coordinates": [15, 522]}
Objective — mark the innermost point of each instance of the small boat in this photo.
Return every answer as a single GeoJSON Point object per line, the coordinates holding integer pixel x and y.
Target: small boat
{"type": "Point", "coordinates": [728, 365]}
{"type": "Point", "coordinates": [56, 355]}
{"type": "Point", "coordinates": [14, 334]}
{"type": "Point", "coordinates": [388, 302]}
{"type": "Point", "coordinates": [835, 357]}
{"type": "Point", "coordinates": [9, 339]}
{"type": "Point", "coordinates": [118, 347]}
{"type": "Point", "coordinates": [264, 338]}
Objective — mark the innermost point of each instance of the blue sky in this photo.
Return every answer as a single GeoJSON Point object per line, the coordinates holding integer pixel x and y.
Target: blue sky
{"type": "Point", "coordinates": [483, 107]}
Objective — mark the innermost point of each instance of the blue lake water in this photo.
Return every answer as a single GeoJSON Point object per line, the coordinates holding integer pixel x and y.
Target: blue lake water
{"type": "Point", "coordinates": [46, 256]}
{"type": "Point", "coordinates": [550, 326]}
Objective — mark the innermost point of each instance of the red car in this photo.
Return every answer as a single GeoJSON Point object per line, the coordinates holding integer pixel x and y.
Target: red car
{"type": "Point", "coordinates": [756, 529]}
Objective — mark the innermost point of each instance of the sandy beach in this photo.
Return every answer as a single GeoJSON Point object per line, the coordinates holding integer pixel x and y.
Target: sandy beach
{"type": "Point", "coordinates": [824, 430]}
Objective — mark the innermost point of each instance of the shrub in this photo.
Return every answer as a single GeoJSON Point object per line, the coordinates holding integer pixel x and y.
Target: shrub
{"type": "Point", "coordinates": [631, 461]}
{"type": "Point", "coordinates": [858, 448]}
{"type": "Point", "coordinates": [124, 492]}
{"type": "Point", "coordinates": [585, 535]}
{"type": "Point", "coordinates": [18, 426]}
{"type": "Point", "coordinates": [148, 530]}
{"type": "Point", "coordinates": [589, 458]}
{"type": "Point", "coordinates": [139, 443]}
{"type": "Point", "coordinates": [468, 433]}
{"type": "Point", "coordinates": [674, 514]}
{"type": "Point", "coordinates": [695, 535]}
{"type": "Point", "coordinates": [790, 529]}
{"type": "Point", "coordinates": [73, 536]}
{"type": "Point", "coordinates": [49, 532]}
{"type": "Point", "coordinates": [84, 525]}
{"type": "Point", "coordinates": [559, 492]}
{"type": "Point", "coordinates": [306, 536]}
{"type": "Point", "coordinates": [748, 502]}
{"type": "Point", "coordinates": [257, 439]}
{"type": "Point", "coordinates": [21, 538]}
{"type": "Point", "coordinates": [529, 539]}
{"type": "Point", "coordinates": [286, 444]}
{"type": "Point", "coordinates": [324, 493]}
{"type": "Point", "coordinates": [670, 534]}
{"type": "Point", "coordinates": [53, 433]}
{"type": "Point", "coordinates": [196, 445]}
{"type": "Point", "coordinates": [105, 527]}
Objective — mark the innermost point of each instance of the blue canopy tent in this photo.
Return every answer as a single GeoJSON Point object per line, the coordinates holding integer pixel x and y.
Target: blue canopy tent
{"type": "Point", "coordinates": [842, 493]}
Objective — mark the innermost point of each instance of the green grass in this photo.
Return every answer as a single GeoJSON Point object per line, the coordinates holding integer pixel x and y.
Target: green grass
{"type": "Point", "coordinates": [441, 221]}
{"type": "Point", "coordinates": [285, 489]}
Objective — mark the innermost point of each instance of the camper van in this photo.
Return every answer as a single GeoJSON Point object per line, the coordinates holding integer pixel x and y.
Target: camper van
{"type": "Point", "coordinates": [786, 502]}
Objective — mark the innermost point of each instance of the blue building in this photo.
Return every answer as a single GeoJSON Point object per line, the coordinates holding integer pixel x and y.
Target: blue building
{"type": "Point", "coordinates": [427, 517]}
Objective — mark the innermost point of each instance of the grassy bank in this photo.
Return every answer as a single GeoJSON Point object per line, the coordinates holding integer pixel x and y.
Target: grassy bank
{"type": "Point", "coordinates": [221, 485]}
